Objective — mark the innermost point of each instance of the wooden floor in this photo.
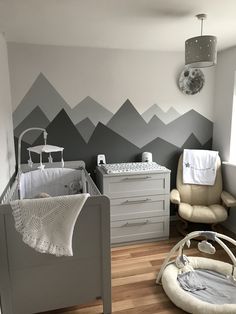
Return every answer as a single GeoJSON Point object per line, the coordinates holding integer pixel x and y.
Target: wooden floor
{"type": "Point", "coordinates": [134, 270]}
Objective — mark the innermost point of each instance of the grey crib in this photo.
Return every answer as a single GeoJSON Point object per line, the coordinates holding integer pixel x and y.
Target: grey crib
{"type": "Point", "coordinates": [31, 282]}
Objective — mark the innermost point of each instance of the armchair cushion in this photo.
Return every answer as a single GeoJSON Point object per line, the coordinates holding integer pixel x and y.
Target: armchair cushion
{"type": "Point", "coordinates": [175, 196]}
{"type": "Point", "coordinates": [228, 199]}
{"type": "Point", "coordinates": [203, 214]}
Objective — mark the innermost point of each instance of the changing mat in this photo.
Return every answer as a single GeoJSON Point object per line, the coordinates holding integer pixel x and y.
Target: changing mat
{"type": "Point", "coordinates": [47, 224]}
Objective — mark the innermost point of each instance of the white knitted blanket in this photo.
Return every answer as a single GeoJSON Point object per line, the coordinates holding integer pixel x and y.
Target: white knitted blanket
{"type": "Point", "coordinates": [47, 224]}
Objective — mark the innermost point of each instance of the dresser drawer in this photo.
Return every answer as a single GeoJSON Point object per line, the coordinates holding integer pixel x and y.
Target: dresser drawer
{"type": "Point", "coordinates": [139, 229]}
{"type": "Point", "coordinates": [139, 207]}
{"type": "Point", "coordinates": [133, 185]}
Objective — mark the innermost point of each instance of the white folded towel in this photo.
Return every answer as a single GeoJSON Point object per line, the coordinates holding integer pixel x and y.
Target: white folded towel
{"type": "Point", "coordinates": [47, 224]}
{"type": "Point", "coordinates": [199, 166]}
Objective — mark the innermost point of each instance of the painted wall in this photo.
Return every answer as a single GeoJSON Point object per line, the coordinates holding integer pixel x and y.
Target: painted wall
{"type": "Point", "coordinates": [229, 175]}
{"type": "Point", "coordinates": [224, 91]}
{"type": "Point", "coordinates": [109, 76]}
{"type": "Point", "coordinates": [116, 102]}
{"type": "Point", "coordinates": [7, 155]}
{"type": "Point", "coordinates": [223, 108]}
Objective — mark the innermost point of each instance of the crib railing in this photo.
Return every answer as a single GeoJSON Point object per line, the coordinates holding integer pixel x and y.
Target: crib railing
{"type": "Point", "coordinates": [11, 192]}
{"type": "Point", "coordinates": [91, 188]}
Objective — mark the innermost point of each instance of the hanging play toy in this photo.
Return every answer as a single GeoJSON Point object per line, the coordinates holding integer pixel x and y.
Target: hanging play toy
{"type": "Point", "coordinates": [40, 149]}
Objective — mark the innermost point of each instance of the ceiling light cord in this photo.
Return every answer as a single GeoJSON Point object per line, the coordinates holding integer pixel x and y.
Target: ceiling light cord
{"type": "Point", "coordinates": [202, 26]}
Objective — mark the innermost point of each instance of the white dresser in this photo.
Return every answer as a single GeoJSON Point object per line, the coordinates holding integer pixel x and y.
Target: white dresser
{"type": "Point", "coordinates": [139, 204]}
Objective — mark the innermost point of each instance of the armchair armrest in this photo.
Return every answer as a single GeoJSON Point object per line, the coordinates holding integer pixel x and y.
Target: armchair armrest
{"type": "Point", "coordinates": [175, 196]}
{"type": "Point", "coordinates": [228, 199]}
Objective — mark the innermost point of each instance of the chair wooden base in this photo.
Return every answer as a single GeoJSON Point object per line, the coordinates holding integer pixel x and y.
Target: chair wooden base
{"type": "Point", "coordinates": [184, 227]}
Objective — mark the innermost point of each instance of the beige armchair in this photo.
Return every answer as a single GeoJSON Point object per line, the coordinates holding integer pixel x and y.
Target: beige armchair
{"type": "Point", "coordinates": [201, 203]}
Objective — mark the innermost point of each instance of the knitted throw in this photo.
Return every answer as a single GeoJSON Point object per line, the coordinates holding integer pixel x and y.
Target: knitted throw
{"type": "Point", "coordinates": [47, 224]}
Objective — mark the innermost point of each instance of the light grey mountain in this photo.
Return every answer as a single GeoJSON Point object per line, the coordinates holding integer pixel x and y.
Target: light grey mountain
{"type": "Point", "coordinates": [43, 95]}
{"type": "Point", "coordinates": [128, 123]}
{"type": "Point", "coordinates": [89, 108]}
{"type": "Point", "coordinates": [166, 117]}
{"type": "Point", "coordinates": [36, 118]}
{"type": "Point", "coordinates": [86, 128]}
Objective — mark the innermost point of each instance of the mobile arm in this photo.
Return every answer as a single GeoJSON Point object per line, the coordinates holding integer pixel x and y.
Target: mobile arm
{"type": "Point", "coordinates": [20, 139]}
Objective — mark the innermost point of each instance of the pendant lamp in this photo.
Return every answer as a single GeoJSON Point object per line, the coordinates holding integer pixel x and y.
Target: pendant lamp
{"type": "Point", "coordinates": [200, 51]}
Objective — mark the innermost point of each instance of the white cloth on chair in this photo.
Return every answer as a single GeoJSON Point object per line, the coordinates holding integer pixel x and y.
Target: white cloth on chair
{"type": "Point", "coordinates": [199, 166]}
{"type": "Point", "coordinates": [47, 224]}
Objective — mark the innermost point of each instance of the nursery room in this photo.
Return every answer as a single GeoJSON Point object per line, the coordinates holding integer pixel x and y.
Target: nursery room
{"type": "Point", "coordinates": [118, 157]}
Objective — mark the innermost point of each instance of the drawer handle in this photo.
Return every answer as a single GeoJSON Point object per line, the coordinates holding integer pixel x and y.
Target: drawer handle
{"type": "Point", "coordinates": [137, 178]}
{"type": "Point", "coordinates": [131, 224]}
{"type": "Point", "coordinates": [144, 200]}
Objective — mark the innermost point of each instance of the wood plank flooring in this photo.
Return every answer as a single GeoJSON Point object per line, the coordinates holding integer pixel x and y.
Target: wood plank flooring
{"type": "Point", "coordinates": [134, 270]}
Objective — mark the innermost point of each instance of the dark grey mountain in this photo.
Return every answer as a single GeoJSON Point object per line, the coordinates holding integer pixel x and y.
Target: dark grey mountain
{"type": "Point", "coordinates": [63, 133]}
{"type": "Point", "coordinates": [192, 143]}
{"type": "Point", "coordinates": [208, 144]}
{"type": "Point", "coordinates": [115, 147]}
{"type": "Point", "coordinates": [24, 151]}
{"type": "Point", "coordinates": [128, 123]}
{"type": "Point", "coordinates": [165, 154]}
{"type": "Point", "coordinates": [85, 128]}
{"type": "Point", "coordinates": [36, 118]}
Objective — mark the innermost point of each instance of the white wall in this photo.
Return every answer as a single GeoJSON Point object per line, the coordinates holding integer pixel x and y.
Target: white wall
{"type": "Point", "coordinates": [7, 155]}
{"type": "Point", "coordinates": [109, 76]}
{"type": "Point", "coordinates": [229, 173]}
{"type": "Point", "coordinates": [224, 94]}
{"type": "Point", "coordinates": [224, 91]}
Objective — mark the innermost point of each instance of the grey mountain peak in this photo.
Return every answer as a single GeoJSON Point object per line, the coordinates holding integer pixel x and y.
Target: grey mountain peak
{"type": "Point", "coordinates": [89, 108]}
{"type": "Point", "coordinates": [45, 96]}
{"type": "Point", "coordinates": [166, 116]}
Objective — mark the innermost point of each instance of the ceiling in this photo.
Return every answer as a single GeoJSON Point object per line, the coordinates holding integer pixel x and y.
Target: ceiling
{"type": "Point", "coordinates": [125, 24]}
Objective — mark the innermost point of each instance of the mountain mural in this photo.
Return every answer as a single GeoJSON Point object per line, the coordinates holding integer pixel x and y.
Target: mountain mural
{"type": "Point", "coordinates": [128, 123]}
{"type": "Point", "coordinates": [43, 95]}
{"type": "Point", "coordinates": [156, 110]}
{"type": "Point", "coordinates": [62, 132]}
{"type": "Point", "coordinates": [90, 129]}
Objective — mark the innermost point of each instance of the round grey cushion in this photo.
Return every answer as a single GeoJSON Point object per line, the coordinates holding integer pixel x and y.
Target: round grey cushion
{"type": "Point", "coordinates": [187, 302]}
